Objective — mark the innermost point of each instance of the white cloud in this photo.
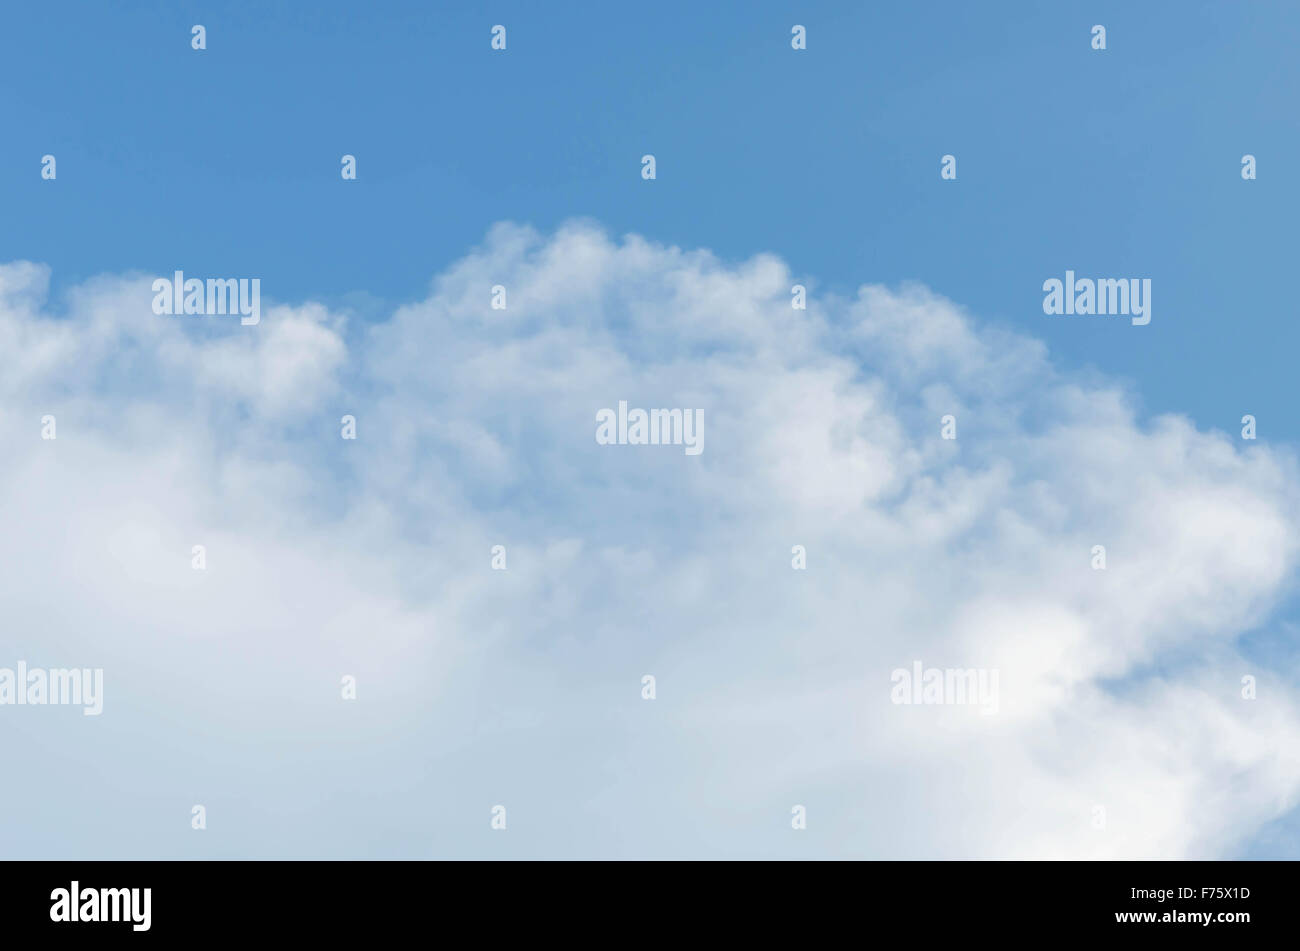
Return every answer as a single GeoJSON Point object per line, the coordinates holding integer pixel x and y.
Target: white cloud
{"type": "Point", "coordinates": [476, 427]}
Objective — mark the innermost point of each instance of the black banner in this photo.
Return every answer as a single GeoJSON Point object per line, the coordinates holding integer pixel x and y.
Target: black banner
{"type": "Point", "coordinates": [618, 901]}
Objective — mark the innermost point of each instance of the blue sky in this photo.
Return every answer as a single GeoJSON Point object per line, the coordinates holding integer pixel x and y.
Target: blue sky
{"type": "Point", "coordinates": [1118, 163]}
{"type": "Point", "coordinates": [1122, 162]}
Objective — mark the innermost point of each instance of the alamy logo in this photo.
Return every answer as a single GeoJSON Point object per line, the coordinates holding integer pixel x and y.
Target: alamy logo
{"type": "Point", "coordinates": [945, 686]}
{"type": "Point", "coordinates": [39, 687]}
{"type": "Point", "coordinates": [656, 427]}
{"type": "Point", "coordinates": [1125, 297]}
{"type": "Point", "coordinates": [217, 297]}
{"type": "Point", "coordinates": [103, 904]}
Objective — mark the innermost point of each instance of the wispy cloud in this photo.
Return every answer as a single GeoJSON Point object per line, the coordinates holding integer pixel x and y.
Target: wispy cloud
{"type": "Point", "coordinates": [1119, 688]}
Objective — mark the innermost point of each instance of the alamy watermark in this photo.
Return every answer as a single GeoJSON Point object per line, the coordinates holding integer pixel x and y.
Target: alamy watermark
{"type": "Point", "coordinates": [945, 686]}
{"type": "Point", "coordinates": [216, 297]}
{"type": "Point", "coordinates": [36, 686]}
{"type": "Point", "coordinates": [130, 905]}
{"type": "Point", "coordinates": [1103, 297]}
{"type": "Point", "coordinates": [656, 427]}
